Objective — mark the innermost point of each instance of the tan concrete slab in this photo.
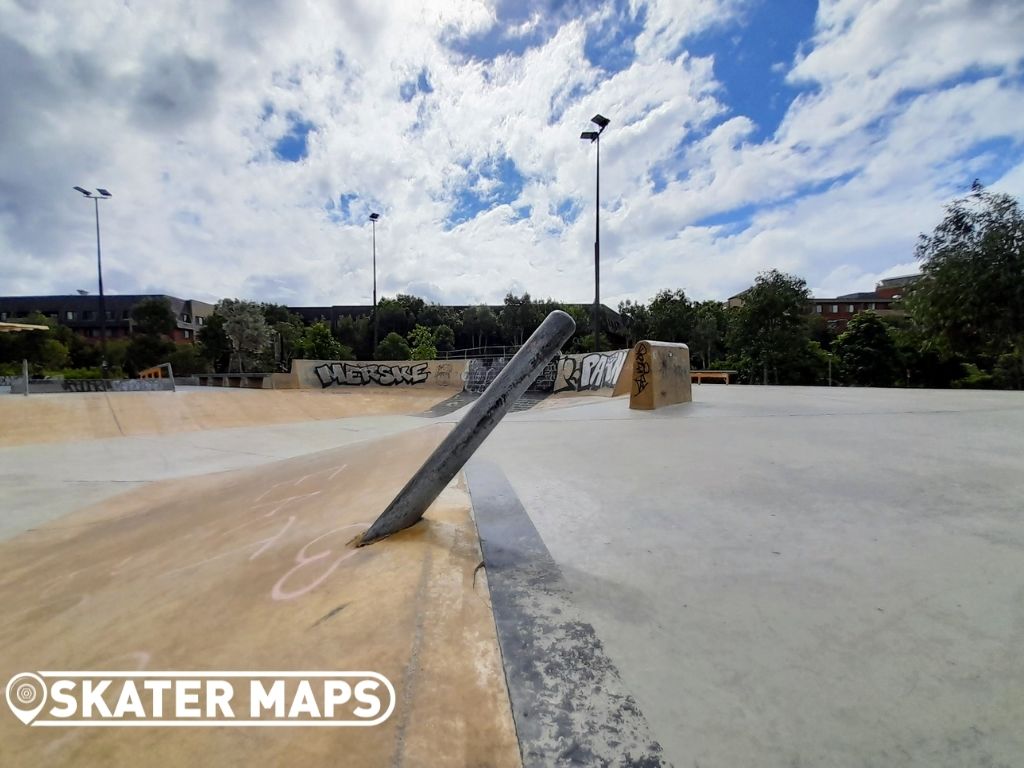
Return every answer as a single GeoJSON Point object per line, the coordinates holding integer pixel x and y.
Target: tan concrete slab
{"type": "Point", "coordinates": [83, 416]}
{"type": "Point", "coordinates": [250, 570]}
{"type": "Point", "coordinates": [661, 375]}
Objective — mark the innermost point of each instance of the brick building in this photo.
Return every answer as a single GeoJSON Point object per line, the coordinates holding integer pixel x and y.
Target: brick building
{"type": "Point", "coordinates": [883, 301]}
{"type": "Point", "coordinates": [837, 311]}
{"type": "Point", "coordinates": [80, 313]}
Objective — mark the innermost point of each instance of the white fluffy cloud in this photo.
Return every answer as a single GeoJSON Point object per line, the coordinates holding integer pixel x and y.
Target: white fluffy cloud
{"type": "Point", "coordinates": [177, 106]}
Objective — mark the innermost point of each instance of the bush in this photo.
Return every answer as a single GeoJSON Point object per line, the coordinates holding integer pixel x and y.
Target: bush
{"type": "Point", "coordinates": [975, 379]}
{"type": "Point", "coordinates": [393, 347]}
{"type": "Point", "coordinates": [421, 341]}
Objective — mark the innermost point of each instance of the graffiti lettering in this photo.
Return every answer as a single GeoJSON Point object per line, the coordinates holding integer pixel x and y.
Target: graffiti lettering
{"type": "Point", "coordinates": [598, 370]}
{"type": "Point", "coordinates": [641, 368]}
{"type": "Point", "coordinates": [105, 385]}
{"type": "Point", "coordinates": [358, 375]}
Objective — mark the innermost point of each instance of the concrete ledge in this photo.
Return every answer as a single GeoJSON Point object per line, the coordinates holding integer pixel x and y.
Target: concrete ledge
{"type": "Point", "coordinates": [661, 375]}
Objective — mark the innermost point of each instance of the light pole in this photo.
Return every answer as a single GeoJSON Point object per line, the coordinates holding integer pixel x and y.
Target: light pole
{"type": "Point", "coordinates": [594, 137]}
{"type": "Point", "coordinates": [373, 226]}
{"type": "Point", "coordinates": [103, 195]}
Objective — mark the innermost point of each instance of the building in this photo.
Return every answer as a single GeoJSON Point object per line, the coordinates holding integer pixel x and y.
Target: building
{"type": "Point", "coordinates": [883, 301]}
{"type": "Point", "coordinates": [837, 311]}
{"type": "Point", "coordinates": [80, 313]}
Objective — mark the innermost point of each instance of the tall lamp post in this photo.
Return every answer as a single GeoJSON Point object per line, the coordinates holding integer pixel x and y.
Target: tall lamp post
{"type": "Point", "coordinates": [594, 137]}
{"type": "Point", "coordinates": [373, 225]}
{"type": "Point", "coordinates": [103, 195]}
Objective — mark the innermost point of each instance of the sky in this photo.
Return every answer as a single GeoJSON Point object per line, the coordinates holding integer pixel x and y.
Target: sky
{"type": "Point", "coordinates": [246, 142]}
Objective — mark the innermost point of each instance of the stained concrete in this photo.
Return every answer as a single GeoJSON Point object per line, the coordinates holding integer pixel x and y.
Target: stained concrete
{"type": "Point", "coordinates": [781, 576]}
{"type": "Point", "coordinates": [796, 576]}
{"type": "Point", "coordinates": [569, 703]}
{"type": "Point", "coordinates": [251, 570]}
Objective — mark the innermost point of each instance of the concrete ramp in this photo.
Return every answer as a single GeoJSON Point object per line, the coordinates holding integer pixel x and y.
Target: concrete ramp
{"type": "Point", "coordinates": [62, 417]}
{"type": "Point", "coordinates": [251, 570]}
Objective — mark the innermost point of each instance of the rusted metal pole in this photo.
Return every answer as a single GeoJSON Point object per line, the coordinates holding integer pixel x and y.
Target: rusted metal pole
{"type": "Point", "coordinates": [483, 416]}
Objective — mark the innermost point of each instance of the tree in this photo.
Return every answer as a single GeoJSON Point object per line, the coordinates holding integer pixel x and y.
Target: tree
{"type": "Point", "coordinates": [317, 343]}
{"type": "Point", "coordinates": [480, 323]}
{"type": "Point", "coordinates": [769, 334]}
{"type": "Point", "coordinates": [638, 321]}
{"type": "Point", "coordinates": [444, 337]}
{"type": "Point", "coordinates": [153, 322]}
{"type": "Point", "coordinates": [188, 360]}
{"type": "Point", "coordinates": [518, 319]}
{"type": "Point", "coordinates": [707, 339]}
{"type": "Point", "coordinates": [393, 317]}
{"type": "Point", "coordinates": [287, 329]}
{"type": "Point", "coordinates": [867, 353]}
{"type": "Point", "coordinates": [214, 344]}
{"type": "Point", "coordinates": [146, 350]}
{"type": "Point", "coordinates": [245, 325]}
{"type": "Point", "coordinates": [971, 296]}
{"type": "Point", "coordinates": [393, 347]}
{"type": "Point", "coordinates": [357, 334]}
{"type": "Point", "coordinates": [436, 315]}
{"type": "Point", "coordinates": [154, 317]}
{"type": "Point", "coordinates": [421, 340]}
{"type": "Point", "coordinates": [671, 317]}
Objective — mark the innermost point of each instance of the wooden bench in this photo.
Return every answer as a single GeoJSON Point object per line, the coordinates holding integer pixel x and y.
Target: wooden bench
{"type": "Point", "coordinates": [699, 376]}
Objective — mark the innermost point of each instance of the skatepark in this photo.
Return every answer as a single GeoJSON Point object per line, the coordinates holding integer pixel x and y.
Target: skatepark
{"type": "Point", "coordinates": [762, 576]}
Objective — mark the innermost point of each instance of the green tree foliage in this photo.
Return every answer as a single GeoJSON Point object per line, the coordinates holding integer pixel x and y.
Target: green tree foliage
{"type": "Point", "coordinates": [435, 315]}
{"type": "Point", "coordinates": [922, 362]}
{"type": "Point", "coordinates": [214, 344]}
{"type": "Point", "coordinates": [154, 317]}
{"type": "Point", "coordinates": [671, 317]}
{"type": "Point", "coordinates": [518, 319]}
{"type": "Point", "coordinates": [317, 343]}
{"type": "Point", "coordinates": [393, 347]}
{"type": "Point", "coordinates": [357, 334]}
{"type": "Point", "coordinates": [421, 342]}
{"type": "Point", "coordinates": [638, 321]}
{"type": "Point", "coordinates": [247, 329]}
{"type": "Point", "coordinates": [187, 360]}
{"type": "Point", "coordinates": [480, 324]}
{"type": "Point", "coordinates": [769, 333]}
{"type": "Point", "coordinates": [287, 329]}
{"type": "Point", "coordinates": [444, 337]}
{"type": "Point", "coordinates": [971, 298]}
{"type": "Point", "coordinates": [45, 350]}
{"type": "Point", "coordinates": [146, 350]}
{"type": "Point", "coordinates": [707, 337]}
{"type": "Point", "coordinates": [866, 352]}
{"type": "Point", "coordinates": [394, 315]}
{"type": "Point", "coordinates": [153, 322]}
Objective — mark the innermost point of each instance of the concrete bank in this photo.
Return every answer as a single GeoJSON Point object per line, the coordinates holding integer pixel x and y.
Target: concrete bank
{"type": "Point", "coordinates": [250, 570]}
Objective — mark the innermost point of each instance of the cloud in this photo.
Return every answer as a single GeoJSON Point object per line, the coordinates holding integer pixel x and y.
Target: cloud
{"type": "Point", "coordinates": [246, 143]}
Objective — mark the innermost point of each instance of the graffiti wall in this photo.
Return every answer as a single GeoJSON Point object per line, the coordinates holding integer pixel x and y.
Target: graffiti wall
{"type": "Point", "coordinates": [51, 386]}
{"type": "Point", "coordinates": [321, 374]}
{"type": "Point", "coordinates": [595, 372]}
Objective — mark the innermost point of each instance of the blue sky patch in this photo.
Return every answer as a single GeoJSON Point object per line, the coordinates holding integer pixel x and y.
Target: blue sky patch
{"type": "Point", "coordinates": [340, 211]}
{"type": "Point", "coordinates": [498, 182]}
{"type": "Point", "coordinates": [611, 45]}
{"type": "Point", "coordinates": [408, 90]}
{"type": "Point", "coordinates": [752, 57]}
{"type": "Point", "coordinates": [569, 210]}
{"type": "Point", "coordinates": [292, 147]}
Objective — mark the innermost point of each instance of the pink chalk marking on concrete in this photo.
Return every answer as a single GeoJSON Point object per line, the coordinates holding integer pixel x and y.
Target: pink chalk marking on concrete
{"type": "Point", "coordinates": [302, 560]}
